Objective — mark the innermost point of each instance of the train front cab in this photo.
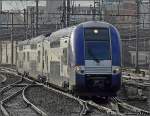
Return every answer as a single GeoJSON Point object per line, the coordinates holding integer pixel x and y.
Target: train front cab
{"type": "Point", "coordinates": [98, 60]}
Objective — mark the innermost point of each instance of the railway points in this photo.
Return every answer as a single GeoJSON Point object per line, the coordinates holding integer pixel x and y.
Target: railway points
{"type": "Point", "coordinates": [13, 91]}
{"type": "Point", "coordinates": [9, 79]}
{"type": "Point", "coordinates": [12, 101]}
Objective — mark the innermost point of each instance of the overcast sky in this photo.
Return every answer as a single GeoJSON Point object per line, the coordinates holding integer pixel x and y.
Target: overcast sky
{"type": "Point", "coordinates": [15, 5]}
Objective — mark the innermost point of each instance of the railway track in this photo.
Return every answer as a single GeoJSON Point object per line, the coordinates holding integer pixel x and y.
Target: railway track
{"type": "Point", "coordinates": [7, 79]}
{"type": "Point", "coordinates": [48, 101]}
{"type": "Point", "coordinates": [12, 102]}
{"type": "Point", "coordinates": [55, 103]}
{"type": "Point", "coordinates": [127, 109]}
{"type": "Point", "coordinates": [2, 78]}
{"type": "Point", "coordinates": [65, 104]}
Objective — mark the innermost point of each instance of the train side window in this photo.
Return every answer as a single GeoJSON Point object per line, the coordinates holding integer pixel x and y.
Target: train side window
{"type": "Point", "coordinates": [43, 64]}
{"type": "Point", "coordinates": [46, 57]}
{"type": "Point", "coordinates": [39, 56]}
{"type": "Point", "coordinates": [28, 56]}
{"type": "Point", "coordinates": [20, 47]}
{"type": "Point", "coordinates": [64, 57]}
{"type": "Point", "coordinates": [33, 46]}
{"type": "Point", "coordinates": [133, 59]}
{"type": "Point", "coordinates": [20, 64]}
{"type": "Point", "coordinates": [24, 56]}
{"type": "Point", "coordinates": [17, 56]}
{"type": "Point", "coordinates": [6, 58]}
{"type": "Point", "coordinates": [55, 44]}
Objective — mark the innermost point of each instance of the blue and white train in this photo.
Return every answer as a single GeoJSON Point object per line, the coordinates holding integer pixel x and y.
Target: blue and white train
{"type": "Point", "coordinates": [85, 58]}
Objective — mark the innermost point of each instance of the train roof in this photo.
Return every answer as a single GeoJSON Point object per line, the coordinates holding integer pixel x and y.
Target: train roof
{"type": "Point", "coordinates": [95, 24]}
{"type": "Point", "coordinates": [61, 33]}
{"type": "Point", "coordinates": [65, 32]}
{"type": "Point", "coordinates": [25, 42]}
{"type": "Point", "coordinates": [37, 39]}
{"type": "Point", "coordinates": [34, 40]}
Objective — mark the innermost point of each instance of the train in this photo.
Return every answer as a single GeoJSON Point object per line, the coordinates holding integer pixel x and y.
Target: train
{"type": "Point", "coordinates": [84, 59]}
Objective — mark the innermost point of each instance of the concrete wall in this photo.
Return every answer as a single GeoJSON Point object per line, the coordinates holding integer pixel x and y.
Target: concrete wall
{"type": "Point", "coordinates": [6, 53]}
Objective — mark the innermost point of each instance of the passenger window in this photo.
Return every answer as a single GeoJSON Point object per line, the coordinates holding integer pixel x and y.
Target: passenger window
{"type": "Point", "coordinates": [24, 56]}
{"type": "Point", "coordinates": [45, 55]}
{"type": "Point", "coordinates": [43, 64]}
{"type": "Point", "coordinates": [33, 46]}
{"type": "Point", "coordinates": [17, 56]}
{"type": "Point", "coordinates": [20, 64]}
{"type": "Point", "coordinates": [20, 48]}
{"type": "Point", "coordinates": [55, 44]}
{"type": "Point", "coordinates": [6, 58]}
{"type": "Point", "coordinates": [39, 58]}
{"type": "Point", "coordinates": [28, 56]}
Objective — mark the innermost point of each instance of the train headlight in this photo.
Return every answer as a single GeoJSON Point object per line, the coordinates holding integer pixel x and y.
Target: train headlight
{"type": "Point", "coordinates": [95, 31]}
{"type": "Point", "coordinates": [116, 69]}
{"type": "Point", "coordinates": [79, 69]}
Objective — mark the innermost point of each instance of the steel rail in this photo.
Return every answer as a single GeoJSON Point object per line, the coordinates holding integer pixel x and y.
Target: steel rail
{"type": "Point", "coordinates": [83, 103]}
{"type": "Point", "coordinates": [131, 108]}
{"type": "Point", "coordinates": [5, 112]}
{"type": "Point", "coordinates": [39, 111]}
{"type": "Point", "coordinates": [10, 85]}
{"type": "Point", "coordinates": [4, 78]}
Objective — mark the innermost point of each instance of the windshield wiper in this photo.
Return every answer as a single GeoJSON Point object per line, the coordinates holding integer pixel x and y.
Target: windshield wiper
{"type": "Point", "coordinates": [91, 54]}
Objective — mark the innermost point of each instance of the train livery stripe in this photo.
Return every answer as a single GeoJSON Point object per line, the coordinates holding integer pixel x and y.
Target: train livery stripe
{"type": "Point", "coordinates": [79, 45]}
{"type": "Point", "coordinates": [79, 54]}
{"type": "Point", "coordinates": [116, 52]}
{"type": "Point", "coordinates": [116, 57]}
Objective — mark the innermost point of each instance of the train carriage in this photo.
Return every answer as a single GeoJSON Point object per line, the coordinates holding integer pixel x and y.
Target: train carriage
{"type": "Point", "coordinates": [85, 58]}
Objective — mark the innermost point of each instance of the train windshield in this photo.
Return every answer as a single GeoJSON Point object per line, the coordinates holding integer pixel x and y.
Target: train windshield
{"type": "Point", "coordinates": [97, 44]}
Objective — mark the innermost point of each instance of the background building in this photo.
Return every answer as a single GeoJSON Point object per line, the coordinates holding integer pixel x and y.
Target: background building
{"type": "Point", "coordinates": [144, 17]}
{"type": "Point", "coordinates": [0, 5]}
{"type": "Point", "coordinates": [53, 10]}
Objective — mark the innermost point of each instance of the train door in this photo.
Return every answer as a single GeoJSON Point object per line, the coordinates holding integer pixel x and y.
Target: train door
{"type": "Point", "coordinates": [39, 59]}
{"type": "Point", "coordinates": [55, 51]}
{"type": "Point", "coordinates": [20, 58]}
{"type": "Point", "coordinates": [64, 61]}
{"type": "Point", "coordinates": [45, 58]}
{"type": "Point", "coordinates": [33, 60]}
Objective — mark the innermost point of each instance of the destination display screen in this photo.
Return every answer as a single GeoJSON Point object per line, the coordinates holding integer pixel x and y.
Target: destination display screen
{"type": "Point", "coordinates": [96, 34]}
